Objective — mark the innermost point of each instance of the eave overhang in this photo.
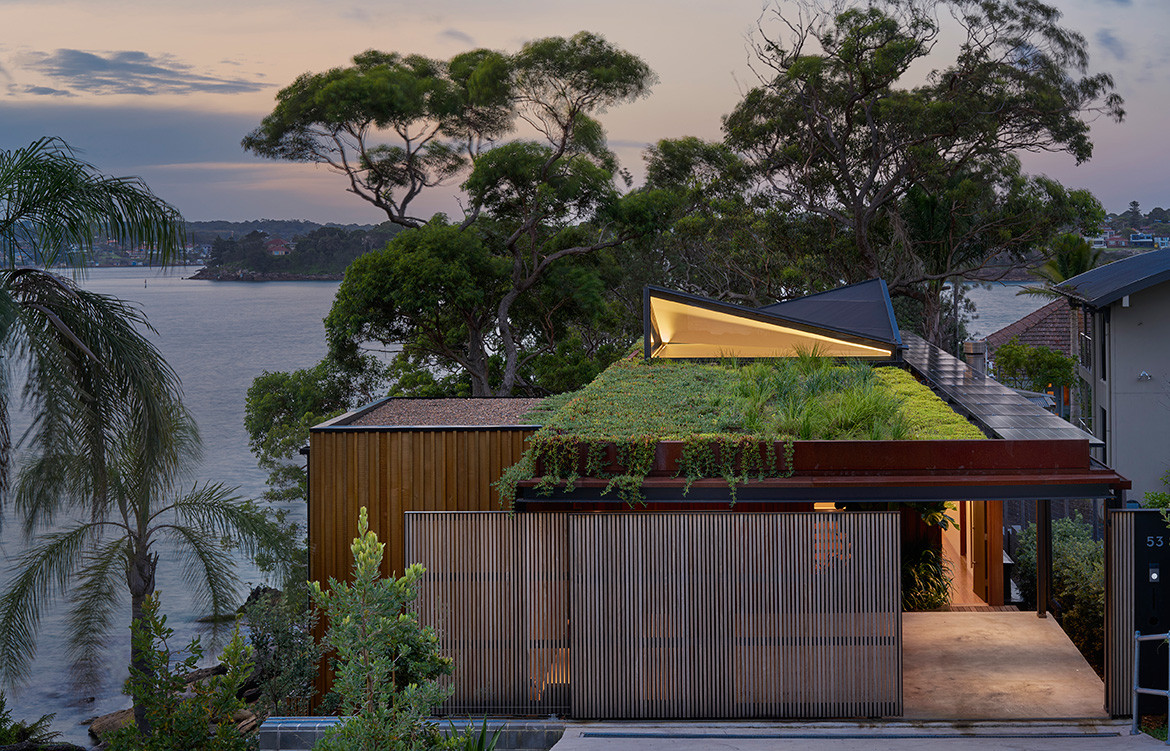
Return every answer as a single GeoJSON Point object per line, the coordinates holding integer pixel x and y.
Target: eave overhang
{"type": "Point", "coordinates": [872, 471]}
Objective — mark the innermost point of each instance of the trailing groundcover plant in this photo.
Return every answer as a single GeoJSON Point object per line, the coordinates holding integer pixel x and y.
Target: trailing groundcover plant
{"type": "Point", "coordinates": [737, 422]}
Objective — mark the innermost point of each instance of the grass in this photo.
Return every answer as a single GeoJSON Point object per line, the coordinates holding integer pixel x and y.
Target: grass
{"type": "Point", "coordinates": [1154, 726]}
{"type": "Point", "coordinates": [802, 399]}
{"type": "Point", "coordinates": [635, 404]}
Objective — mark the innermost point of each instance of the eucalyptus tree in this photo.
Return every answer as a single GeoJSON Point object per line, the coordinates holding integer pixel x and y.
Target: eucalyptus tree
{"type": "Point", "coordinates": [397, 126]}
{"type": "Point", "coordinates": [834, 130]}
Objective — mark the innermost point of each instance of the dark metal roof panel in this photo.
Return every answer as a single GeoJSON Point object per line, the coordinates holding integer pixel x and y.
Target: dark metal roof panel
{"type": "Point", "coordinates": [1109, 283]}
{"type": "Point", "coordinates": [863, 308]}
{"type": "Point", "coordinates": [999, 410]}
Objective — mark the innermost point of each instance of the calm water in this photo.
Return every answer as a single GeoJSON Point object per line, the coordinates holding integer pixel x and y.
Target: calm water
{"type": "Point", "coordinates": [217, 337]}
{"type": "Point", "coordinates": [997, 305]}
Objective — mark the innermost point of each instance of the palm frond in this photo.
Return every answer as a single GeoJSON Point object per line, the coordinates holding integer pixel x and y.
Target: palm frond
{"type": "Point", "coordinates": [86, 401]}
{"type": "Point", "coordinates": [209, 567]}
{"type": "Point", "coordinates": [51, 200]}
{"type": "Point", "coordinates": [43, 571]}
{"type": "Point", "coordinates": [250, 528]}
{"type": "Point", "coordinates": [94, 601]}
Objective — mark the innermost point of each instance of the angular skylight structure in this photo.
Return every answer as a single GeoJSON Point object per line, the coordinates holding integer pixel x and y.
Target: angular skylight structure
{"type": "Point", "coordinates": [855, 321]}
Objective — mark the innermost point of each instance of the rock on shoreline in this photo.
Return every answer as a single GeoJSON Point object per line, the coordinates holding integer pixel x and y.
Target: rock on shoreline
{"type": "Point", "coordinates": [235, 275]}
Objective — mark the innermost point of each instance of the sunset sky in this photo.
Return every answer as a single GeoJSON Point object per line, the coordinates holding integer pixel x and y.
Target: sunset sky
{"type": "Point", "coordinates": [165, 90]}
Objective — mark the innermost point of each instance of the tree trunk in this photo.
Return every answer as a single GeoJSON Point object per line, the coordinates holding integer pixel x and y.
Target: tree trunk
{"type": "Point", "coordinates": [140, 579]}
{"type": "Point", "coordinates": [932, 314]}
{"type": "Point", "coordinates": [478, 366]}
{"type": "Point", "coordinates": [508, 341]}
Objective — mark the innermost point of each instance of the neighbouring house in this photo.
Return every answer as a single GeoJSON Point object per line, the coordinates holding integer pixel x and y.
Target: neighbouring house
{"type": "Point", "coordinates": [1050, 326]}
{"type": "Point", "coordinates": [678, 541]}
{"type": "Point", "coordinates": [1125, 362]}
{"type": "Point", "coordinates": [1046, 327]}
{"type": "Point", "coordinates": [1141, 240]}
{"type": "Point", "coordinates": [277, 247]}
{"type": "Point", "coordinates": [1055, 326]}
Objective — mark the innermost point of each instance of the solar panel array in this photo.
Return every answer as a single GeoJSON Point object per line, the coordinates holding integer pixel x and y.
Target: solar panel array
{"type": "Point", "coordinates": [991, 405]}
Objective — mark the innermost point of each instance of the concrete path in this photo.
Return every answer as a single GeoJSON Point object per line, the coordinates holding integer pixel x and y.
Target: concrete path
{"type": "Point", "coordinates": [994, 666]}
{"type": "Point", "coordinates": [1086, 735]}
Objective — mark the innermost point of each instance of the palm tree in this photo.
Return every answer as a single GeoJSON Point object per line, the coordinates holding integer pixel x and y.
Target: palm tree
{"type": "Point", "coordinates": [110, 442]}
{"type": "Point", "coordinates": [53, 207]}
{"type": "Point", "coordinates": [114, 547]}
{"type": "Point", "coordinates": [1068, 255]}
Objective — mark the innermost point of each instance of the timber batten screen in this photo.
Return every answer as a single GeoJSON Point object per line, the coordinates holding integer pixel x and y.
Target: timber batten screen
{"type": "Point", "coordinates": [496, 590]}
{"type": "Point", "coordinates": [667, 614]}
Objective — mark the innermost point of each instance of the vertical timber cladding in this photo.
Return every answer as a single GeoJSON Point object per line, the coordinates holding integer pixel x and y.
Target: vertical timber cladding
{"type": "Point", "coordinates": [496, 590]}
{"type": "Point", "coordinates": [1119, 573]}
{"type": "Point", "coordinates": [725, 615]}
{"type": "Point", "coordinates": [391, 471]}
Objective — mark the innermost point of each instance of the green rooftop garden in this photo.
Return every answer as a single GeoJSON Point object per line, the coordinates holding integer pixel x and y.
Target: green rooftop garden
{"type": "Point", "coordinates": [802, 398]}
{"type": "Point", "coordinates": [730, 417]}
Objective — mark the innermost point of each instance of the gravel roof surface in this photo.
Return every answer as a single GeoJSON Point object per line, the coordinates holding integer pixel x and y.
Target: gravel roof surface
{"type": "Point", "coordinates": [505, 411]}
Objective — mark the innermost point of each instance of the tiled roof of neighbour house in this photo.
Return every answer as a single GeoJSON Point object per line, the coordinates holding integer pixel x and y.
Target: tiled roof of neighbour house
{"type": "Point", "coordinates": [472, 412]}
{"type": "Point", "coordinates": [1109, 283]}
{"type": "Point", "coordinates": [1046, 327]}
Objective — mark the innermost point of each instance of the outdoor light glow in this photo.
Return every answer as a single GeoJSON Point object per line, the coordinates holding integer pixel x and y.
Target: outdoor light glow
{"type": "Point", "coordinates": [690, 331]}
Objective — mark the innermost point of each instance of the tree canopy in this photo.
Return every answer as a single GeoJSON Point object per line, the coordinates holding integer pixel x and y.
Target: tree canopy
{"type": "Point", "coordinates": [474, 296]}
{"type": "Point", "coordinates": [832, 129]}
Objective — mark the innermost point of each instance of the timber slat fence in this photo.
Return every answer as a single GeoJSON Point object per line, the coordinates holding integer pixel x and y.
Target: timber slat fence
{"type": "Point", "coordinates": [665, 614]}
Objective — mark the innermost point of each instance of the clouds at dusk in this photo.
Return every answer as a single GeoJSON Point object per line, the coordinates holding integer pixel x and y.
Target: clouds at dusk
{"type": "Point", "coordinates": [166, 90]}
{"type": "Point", "coordinates": [129, 72]}
{"type": "Point", "coordinates": [1114, 46]}
{"type": "Point", "coordinates": [458, 36]}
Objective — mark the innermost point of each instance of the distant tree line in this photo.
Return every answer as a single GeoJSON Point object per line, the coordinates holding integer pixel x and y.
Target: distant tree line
{"type": "Point", "coordinates": [205, 232]}
{"type": "Point", "coordinates": [325, 251]}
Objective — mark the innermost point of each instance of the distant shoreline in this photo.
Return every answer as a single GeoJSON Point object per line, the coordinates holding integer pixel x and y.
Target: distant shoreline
{"type": "Point", "coordinates": [235, 275]}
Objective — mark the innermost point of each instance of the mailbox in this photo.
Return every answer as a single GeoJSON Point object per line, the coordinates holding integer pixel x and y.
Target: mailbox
{"type": "Point", "coordinates": [1151, 598]}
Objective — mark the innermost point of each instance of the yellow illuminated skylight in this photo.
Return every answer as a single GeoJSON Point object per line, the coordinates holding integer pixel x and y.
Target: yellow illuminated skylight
{"type": "Point", "coordinates": [682, 331]}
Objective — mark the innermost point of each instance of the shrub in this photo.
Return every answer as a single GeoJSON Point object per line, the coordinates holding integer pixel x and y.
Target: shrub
{"type": "Point", "coordinates": [15, 731]}
{"type": "Point", "coordinates": [387, 663]}
{"type": "Point", "coordinates": [1078, 583]}
{"type": "Point", "coordinates": [181, 716]}
{"type": "Point", "coordinates": [926, 579]}
{"type": "Point", "coordinates": [1034, 368]}
{"type": "Point", "coordinates": [280, 631]}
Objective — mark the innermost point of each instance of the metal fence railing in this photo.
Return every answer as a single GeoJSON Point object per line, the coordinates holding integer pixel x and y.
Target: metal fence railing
{"type": "Point", "coordinates": [1138, 638]}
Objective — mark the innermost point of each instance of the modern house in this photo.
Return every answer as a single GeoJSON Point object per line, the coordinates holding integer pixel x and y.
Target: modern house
{"type": "Point", "coordinates": [1125, 362]}
{"type": "Point", "coordinates": [666, 552]}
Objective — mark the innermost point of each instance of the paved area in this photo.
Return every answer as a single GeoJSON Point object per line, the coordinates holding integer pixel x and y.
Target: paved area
{"type": "Point", "coordinates": [1086, 735]}
{"type": "Point", "coordinates": [994, 666]}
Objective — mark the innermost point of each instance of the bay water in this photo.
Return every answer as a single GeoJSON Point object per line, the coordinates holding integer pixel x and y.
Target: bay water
{"type": "Point", "coordinates": [218, 336]}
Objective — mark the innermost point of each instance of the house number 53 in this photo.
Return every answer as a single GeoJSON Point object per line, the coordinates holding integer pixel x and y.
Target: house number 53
{"type": "Point", "coordinates": [1155, 542]}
